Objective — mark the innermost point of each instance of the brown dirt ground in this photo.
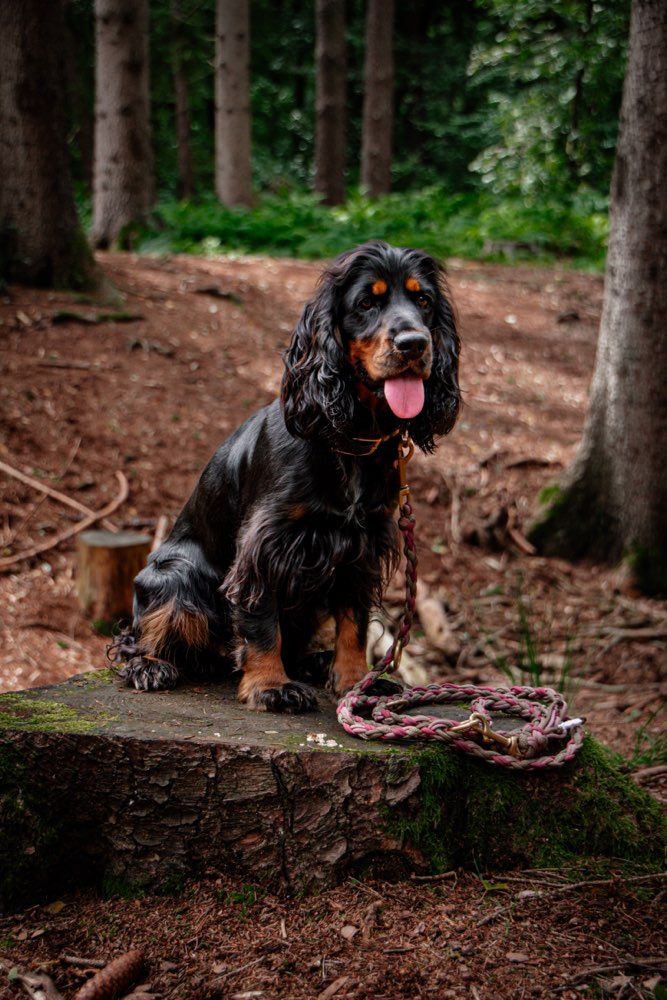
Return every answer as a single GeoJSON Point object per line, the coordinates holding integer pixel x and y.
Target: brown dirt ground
{"type": "Point", "coordinates": [152, 396]}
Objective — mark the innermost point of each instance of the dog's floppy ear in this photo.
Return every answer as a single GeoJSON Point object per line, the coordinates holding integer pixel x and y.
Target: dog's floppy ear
{"type": "Point", "coordinates": [316, 398]}
{"type": "Point", "coordinates": [443, 396]}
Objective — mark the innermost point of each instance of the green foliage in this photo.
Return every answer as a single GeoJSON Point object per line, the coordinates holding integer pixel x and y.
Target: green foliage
{"type": "Point", "coordinates": [243, 898]}
{"type": "Point", "coordinates": [520, 98]}
{"type": "Point", "coordinates": [650, 749]}
{"type": "Point", "coordinates": [472, 225]}
{"type": "Point", "coordinates": [552, 71]}
{"type": "Point", "coordinates": [480, 816]}
{"type": "Point", "coordinates": [591, 810]}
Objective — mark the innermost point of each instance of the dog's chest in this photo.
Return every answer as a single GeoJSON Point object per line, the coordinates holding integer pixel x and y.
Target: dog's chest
{"type": "Point", "coordinates": [362, 498]}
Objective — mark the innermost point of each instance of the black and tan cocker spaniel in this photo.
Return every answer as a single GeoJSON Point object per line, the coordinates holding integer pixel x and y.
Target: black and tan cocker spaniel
{"type": "Point", "coordinates": [291, 522]}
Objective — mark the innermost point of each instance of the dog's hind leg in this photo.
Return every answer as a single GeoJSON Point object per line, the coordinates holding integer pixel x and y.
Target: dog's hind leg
{"type": "Point", "coordinates": [149, 647]}
{"type": "Point", "coordinates": [176, 620]}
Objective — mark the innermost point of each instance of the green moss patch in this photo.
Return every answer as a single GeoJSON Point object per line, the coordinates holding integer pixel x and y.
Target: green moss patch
{"type": "Point", "coordinates": [476, 815]}
{"type": "Point", "coordinates": [433, 823]}
{"type": "Point", "coordinates": [23, 711]}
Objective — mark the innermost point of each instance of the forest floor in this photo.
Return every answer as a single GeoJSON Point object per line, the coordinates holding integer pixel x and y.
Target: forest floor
{"type": "Point", "coordinates": [150, 391]}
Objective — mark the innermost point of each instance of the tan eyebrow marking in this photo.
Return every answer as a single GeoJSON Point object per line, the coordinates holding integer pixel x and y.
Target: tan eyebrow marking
{"type": "Point", "coordinates": [379, 287]}
{"type": "Point", "coordinates": [412, 285]}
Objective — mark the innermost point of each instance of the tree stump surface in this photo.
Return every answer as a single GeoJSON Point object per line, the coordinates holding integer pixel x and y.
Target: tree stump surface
{"type": "Point", "coordinates": [101, 783]}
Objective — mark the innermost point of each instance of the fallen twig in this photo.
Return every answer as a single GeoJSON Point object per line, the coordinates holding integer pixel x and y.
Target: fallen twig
{"type": "Point", "coordinates": [226, 975]}
{"type": "Point", "coordinates": [644, 773]}
{"type": "Point", "coordinates": [433, 878]}
{"type": "Point", "coordinates": [521, 542]}
{"type": "Point", "coordinates": [34, 550]}
{"type": "Point", "coordinates": [93, 319]}
{"type": "Point", "coordinates": [592, 883]}
{"type": "Point", "coordinates": [86, 963]}
{"type": "Point", "coordinates": [41, 487]}
{"type": "Point", "coordinates": [643, 964]}
{"type": "Point", "coordinates": [161, 531]}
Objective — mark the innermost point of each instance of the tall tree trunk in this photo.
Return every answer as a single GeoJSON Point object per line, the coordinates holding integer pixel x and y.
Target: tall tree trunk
{"type": "Point", "coordinates": [613, 500]}
{"type": "Point", "coordinates": [330, 100]}
{"type": "Point", "coordinates": [186, 184]}
{"type": "Point", "coordinates": [233, 183]}
{"type": "Point", "coordinates": [123, 174]}
{"type": "Point", "coordinates": [378, 110]}
{"type": "Point", "coordinates": [40, 239]}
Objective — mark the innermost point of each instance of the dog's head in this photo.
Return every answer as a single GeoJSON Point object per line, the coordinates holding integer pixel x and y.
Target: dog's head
{"type": "Point", "coordinates": [376, 347]}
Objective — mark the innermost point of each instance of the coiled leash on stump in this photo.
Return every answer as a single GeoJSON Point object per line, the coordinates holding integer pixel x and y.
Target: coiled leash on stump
{"type": "Point", "coordinates": [547, 737]}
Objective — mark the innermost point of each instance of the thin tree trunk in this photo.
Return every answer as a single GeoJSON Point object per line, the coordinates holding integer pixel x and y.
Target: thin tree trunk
{"type": "Point", "coordinates": [378, 112]}
{"type": "Point", "coordinates": [614, 497]}
{"type": "Point", "coordinates": [330, 101]}
{"type": "Point", "coordinates": [186, 183]}
{"type": "Point", "coordinates": [123, 175]}
{"type": "Point", "coordinates": [232, 112]}
{"type": "Point", "coordinates": [40, 238]}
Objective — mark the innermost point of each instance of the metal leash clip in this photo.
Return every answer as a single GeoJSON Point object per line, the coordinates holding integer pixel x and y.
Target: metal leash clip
{"type": "Point", "coordinates": [479, 724]}
{"type": "Point", "coordinates": [406, 450]}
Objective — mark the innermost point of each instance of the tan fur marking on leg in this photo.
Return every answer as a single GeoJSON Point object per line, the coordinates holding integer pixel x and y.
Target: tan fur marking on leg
{"type": "Point", "coordinates": [192, 627]}
{"type": "Point", "coordinates": [349, 664]}
{"type": "Point", "coordinates": [156, 629]}
{"type": "Point", "coordinates": [159, 628]}
{"type": "Point", "coordinates": [262, 670]}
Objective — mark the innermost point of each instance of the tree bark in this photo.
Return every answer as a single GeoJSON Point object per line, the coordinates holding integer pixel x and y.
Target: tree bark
{"type": "Point", "coordinates": [330, 101]}
{"type": "Point", "coordinates": [378, 111]}
{"type": "Point", "coordinates": [41, 241]}
{"type": "Point", "coordinates": [233, 182]}
{"type": "Point", "coordinates": [99, 782]}
{"type": "Point", "coordinates": [124, 187]}
{"type": "Point", "coordinates": [612, 501]}
{"type": "Point", "coordinates": [186, 184]}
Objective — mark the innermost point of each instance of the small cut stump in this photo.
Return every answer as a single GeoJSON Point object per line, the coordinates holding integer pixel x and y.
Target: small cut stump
{"type": "Point", "coordinates": [107, 563]}
{"type": "Point", "coordinates": [103, 784]}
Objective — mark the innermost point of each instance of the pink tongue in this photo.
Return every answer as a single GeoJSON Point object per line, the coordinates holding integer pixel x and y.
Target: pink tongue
{"type": "Point", "coordinates": [405, 396]}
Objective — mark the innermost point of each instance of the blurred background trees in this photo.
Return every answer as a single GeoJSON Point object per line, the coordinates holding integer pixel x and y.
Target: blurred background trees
{"type": "Point", "coordinates": [505, 113]}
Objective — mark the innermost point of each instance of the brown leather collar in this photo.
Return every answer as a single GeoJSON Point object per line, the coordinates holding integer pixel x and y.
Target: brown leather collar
{"type": "Point", "coordinates": [367, 446]}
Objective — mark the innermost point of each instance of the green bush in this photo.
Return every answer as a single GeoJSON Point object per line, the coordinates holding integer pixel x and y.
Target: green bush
{"type": "Point", "coordinates": [474, 225]}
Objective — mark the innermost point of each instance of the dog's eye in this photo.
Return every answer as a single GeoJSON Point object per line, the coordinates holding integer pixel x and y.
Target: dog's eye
{"type": "Point", "coordinates": [424, 301]}
{"type": "Point", "coordinates": [365, 303]}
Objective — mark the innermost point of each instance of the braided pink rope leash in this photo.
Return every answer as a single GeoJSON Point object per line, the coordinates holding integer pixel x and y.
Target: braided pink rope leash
{"type": "Point", "coordinates": [546, 739]}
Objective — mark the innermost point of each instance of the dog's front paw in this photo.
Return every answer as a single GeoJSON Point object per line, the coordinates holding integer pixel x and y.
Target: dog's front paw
{"type": "Point", "coordinates": [149, 674]}
{"type": "Point", "coordinates": [292, 697]}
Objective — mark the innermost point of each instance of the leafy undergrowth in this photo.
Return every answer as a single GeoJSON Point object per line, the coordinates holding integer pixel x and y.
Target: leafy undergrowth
{"type": "Point", "coordinates": [475, 226]}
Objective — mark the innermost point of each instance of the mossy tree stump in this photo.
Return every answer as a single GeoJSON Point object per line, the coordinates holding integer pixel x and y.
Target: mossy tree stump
{"type": "Point", "coordinates": [99, 783]}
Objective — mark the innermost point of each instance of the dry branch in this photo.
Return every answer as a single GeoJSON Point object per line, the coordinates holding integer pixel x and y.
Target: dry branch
{"type": "Point", "coordinates": [41, 487]}
{"type": "Point", "coordinates": [93, 516]}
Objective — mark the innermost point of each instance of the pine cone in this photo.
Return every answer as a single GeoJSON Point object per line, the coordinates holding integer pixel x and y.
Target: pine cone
{"type": "Point", "coordinates": [114, 978]}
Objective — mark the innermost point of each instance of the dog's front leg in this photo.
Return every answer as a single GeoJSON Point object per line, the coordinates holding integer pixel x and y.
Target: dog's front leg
{"type": "Point", "coordinates": [349, 664]}
{"type": "Point", "coordinates": [265, 686]}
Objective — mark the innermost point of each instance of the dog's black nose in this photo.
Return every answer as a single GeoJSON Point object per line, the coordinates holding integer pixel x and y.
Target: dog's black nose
{"type": "Point", "coordinates": [411, 343]}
